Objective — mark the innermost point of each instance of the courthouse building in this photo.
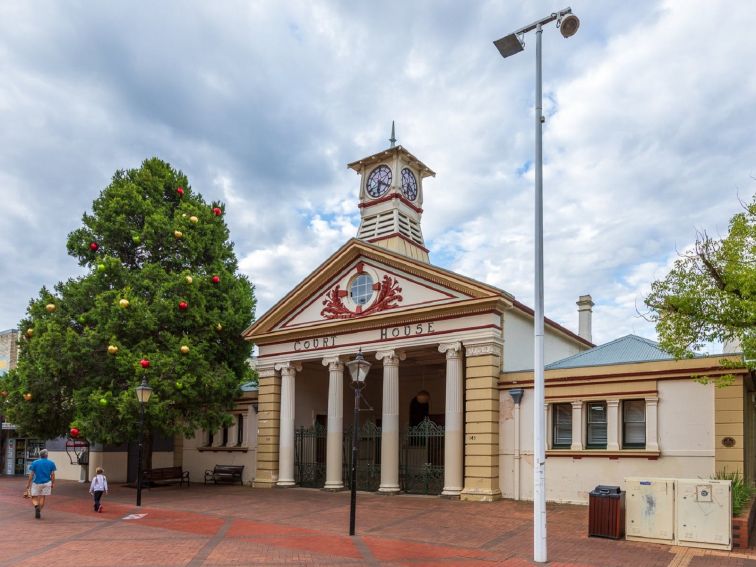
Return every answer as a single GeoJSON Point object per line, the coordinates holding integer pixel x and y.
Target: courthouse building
{"type": "Point", "coordinates": [448, 404]}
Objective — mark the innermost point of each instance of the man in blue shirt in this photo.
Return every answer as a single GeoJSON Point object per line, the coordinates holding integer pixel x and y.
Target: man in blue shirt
{"type": "Point", "coordinates": [41, 481]}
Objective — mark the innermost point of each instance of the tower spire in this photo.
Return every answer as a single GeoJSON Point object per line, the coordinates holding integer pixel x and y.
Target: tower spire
{"type": "Point", "coordinates": [392, 139]}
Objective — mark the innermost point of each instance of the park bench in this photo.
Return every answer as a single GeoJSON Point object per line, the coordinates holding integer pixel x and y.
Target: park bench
{"type": "Point", "coordinates": [225, 473]}
{"type": "Point", "coordinates": [166, 475]}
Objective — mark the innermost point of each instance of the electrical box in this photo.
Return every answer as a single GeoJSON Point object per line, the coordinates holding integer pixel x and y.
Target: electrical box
{"type": "Point", "coordinates": [691, 512]}
{"type": "Point", "coordinates": [650, 509]}
{"type": "Point", "coordinates": [704, 513]}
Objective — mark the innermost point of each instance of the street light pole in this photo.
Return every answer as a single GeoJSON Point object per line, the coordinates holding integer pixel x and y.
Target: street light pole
{"type": "Point", "coordinates": [507, 46]}
{"type": "Point", "coordinates": [143, 393]}
{"type": "Point", "coordinates": [358, 368]}
{"type": "Point", "coordinates": [139, 460]}
{"type": "Point", "coordinates": [355, 448]}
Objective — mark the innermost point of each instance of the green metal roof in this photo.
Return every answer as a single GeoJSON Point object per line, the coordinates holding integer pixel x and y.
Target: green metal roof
{"type": "Point", "coordinates": [630, 348]}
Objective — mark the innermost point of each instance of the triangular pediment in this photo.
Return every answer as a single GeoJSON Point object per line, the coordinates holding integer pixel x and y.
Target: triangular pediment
{"type": "Point", "coordinates": [362, 283]}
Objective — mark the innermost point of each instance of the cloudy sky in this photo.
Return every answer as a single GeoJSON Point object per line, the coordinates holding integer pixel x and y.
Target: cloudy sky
{"type": "Point", "coordinates": [650, 132]}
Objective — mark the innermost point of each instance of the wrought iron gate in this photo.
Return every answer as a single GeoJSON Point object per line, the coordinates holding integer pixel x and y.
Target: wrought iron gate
{"type": "Point", "coordinates": [421, 462]}
{"type": "Point", "coordinates": [310, 456]}
{"type": "Point", "coordinates": [368, 457]}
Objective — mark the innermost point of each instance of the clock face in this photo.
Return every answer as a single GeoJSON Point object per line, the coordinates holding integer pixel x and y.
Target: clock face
{"type": "Point", "coordinates": [409, 184]}
{"type": "Point", "coordinates": [379, 181]}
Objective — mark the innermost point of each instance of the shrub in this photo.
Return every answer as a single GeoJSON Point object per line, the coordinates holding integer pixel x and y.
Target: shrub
{"type": "Point", "coordinates": [741, 491]}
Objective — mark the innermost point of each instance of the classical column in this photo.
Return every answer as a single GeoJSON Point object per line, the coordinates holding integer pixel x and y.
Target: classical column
{"type": "Point", "coordinates": [286, 441]}
{"type": "Point", "coordinates": [652, 438]}
{"type": "Point", "coordinates": [577, 426]}
{"type": "Point", "coordinates": [268, 431]}
{"type": "Point", "coordinates": [482, 373]}
{"type": "Point", "coordinates": [390, 421]}
{"type": "Point", "coordinates": [612, 425]}
{"type": "Point", "coordinates": [454, 442]}
{"type": "Point", "coordinates": [335, 438]}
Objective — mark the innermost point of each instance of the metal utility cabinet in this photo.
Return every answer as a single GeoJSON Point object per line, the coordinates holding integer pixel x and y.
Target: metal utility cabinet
{"type": "Point", "coordinates": [689, 512]}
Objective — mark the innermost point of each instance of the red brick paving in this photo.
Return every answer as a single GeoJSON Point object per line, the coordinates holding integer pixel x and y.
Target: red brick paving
{"type": "Point", "coordinates": [218, 526]}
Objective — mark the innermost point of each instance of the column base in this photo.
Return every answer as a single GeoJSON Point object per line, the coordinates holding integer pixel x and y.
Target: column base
{"type": "Point", "coordinates": [480, 495]}
{"type": "Point", "coordinates": [452, 493]}
{"type": "Point", "coordinates": [391, 489]}
{"type": "Point", "coordinates": [286, 483]}
{"type": "Point", "coordinates": [334, 487]}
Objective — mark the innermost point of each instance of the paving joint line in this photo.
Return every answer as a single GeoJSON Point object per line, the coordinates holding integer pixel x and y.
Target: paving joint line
{"type": "Point", "coordinates": [201, 556]}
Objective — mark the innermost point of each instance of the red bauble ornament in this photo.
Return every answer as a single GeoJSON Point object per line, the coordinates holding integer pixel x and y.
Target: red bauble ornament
{"type": "Point", "coordinates": [145, 363]}
{"type": "Point", "coordinates": [94, 246]}
{"type": "Point", "coordinates": [183, 305]}
{"type": "Point", "coordinates": [180, 191]}
{"type": "Point", "coordinates": [216, 279]}
{"type": "Point", "coordinates": [74, 432]}
{"type": "Point", "coordinates": [217, 212]}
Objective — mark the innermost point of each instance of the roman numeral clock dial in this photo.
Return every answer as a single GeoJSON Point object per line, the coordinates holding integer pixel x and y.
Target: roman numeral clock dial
{"type": "Point", "coordinates": [379, 181]}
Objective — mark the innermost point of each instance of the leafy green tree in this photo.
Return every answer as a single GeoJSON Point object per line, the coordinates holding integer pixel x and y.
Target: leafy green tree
{"type": "Point", "coordinates": [710, 293]}
{"type": "Point", "coordinates": [162, 285]}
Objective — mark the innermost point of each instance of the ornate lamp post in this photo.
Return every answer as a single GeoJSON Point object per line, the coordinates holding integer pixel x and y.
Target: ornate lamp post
{"type": "Point", "coordinates": [509, 45]}
{"type": "Point", "coordinates": [143, 393]}
{"type": "Point", "coordinates": [358, 369]}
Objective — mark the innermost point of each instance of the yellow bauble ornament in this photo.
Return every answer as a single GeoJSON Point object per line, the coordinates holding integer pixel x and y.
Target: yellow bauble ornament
{"type": "Point", "coordinates": [178, 233]}
{"type": "Point", "coordinates": [50, 307]}
{"type": "Point", "coordinates": [219, 327]}
{"type": "Point", "coordinates": [194, 219]}
{"type": "Point", "coordinates": [27, 396]}
{"type": "Point", "coordinates": [189, 279]}
{"type": "Point", "coordinates": [112, 349]}
{"type": "Point", "coordinates": [184, 349]}
{"type": "Point", "coordinates": [124, 303]}
{"type": "Point", "coordinates": [29, 332]}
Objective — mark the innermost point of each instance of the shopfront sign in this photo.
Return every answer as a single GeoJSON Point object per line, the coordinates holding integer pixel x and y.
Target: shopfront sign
{"type": "Point", "coordinates": [7, 425]}
{"type": "Point", "coordinates": [10, 457]}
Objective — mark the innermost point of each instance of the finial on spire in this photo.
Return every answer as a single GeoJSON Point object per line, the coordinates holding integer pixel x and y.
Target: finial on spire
{"type": "Point", "coordinates": [392, 139]}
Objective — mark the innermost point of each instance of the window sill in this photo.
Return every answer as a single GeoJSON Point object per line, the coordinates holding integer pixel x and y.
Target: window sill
{"type": "Point", "coordinates": [604, 454]}
{"type": "Point", "coordinates": [224, 449]}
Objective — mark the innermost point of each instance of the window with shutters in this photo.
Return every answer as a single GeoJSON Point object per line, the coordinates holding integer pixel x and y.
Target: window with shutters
{"type": "Point", "coordinates": [596, 425]}
{"type": "Point", "coordinates": [562, 426]}
{"type": "Point", "coordinates": [634, 424]}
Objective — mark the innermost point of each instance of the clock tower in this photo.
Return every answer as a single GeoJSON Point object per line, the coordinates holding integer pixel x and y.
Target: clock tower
{"type": "Point", "coordinates": [391, 200]}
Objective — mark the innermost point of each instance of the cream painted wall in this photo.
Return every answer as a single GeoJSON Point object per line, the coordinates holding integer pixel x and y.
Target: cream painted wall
{"type": "Point", "coordinates": [197, 462]}
{"type": "Point", "coordinates": [518, 343]}
{"type": "Point", "coordinates": [686, 441]}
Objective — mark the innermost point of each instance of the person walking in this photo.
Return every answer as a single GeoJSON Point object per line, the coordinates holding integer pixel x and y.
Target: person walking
{"type": "Point", "coordinates": [98, 487]}
{"type": "Point", "coordinates": [41, 481]}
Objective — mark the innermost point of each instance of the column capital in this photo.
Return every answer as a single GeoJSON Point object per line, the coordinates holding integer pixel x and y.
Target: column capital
{"type": "Point", "coordinates": [452, 350]}
{"type": "Point", "coordinates": [333, 363]}
{"type": "Point", "coordinates": [612, 403]}
{"type": "Point", "coordinates": [577, 405]}
{"type": "Point", "coordinates": [266, 371]}
{"type": "Point", "coordinates": [390, 357]}
{"type": "Point", "coordinates": [288, 368]}
{"type": "Point", "coordinates": [481, 349]}
{"type": "Point", "coordinates": [652, 401]}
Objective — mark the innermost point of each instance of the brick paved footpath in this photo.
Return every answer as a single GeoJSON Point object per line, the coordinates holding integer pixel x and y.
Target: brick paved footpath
{"type": "Point", "coordinates": [226, 525]}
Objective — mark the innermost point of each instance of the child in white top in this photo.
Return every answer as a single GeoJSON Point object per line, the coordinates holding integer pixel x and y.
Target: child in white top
{"type": "Point", "coordinates": [98, 487]}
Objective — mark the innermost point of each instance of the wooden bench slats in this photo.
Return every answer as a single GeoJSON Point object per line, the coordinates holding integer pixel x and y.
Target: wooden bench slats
{"type": "Point", "coordinates": [167, 474]}
{"type": "Point", "coordinates": [225, 473]}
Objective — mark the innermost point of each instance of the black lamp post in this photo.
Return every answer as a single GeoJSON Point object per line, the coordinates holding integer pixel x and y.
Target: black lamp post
{"type": "Point", "coordinates": [143, 392]}
{"type": "Point", "coordinates": [358, 368]}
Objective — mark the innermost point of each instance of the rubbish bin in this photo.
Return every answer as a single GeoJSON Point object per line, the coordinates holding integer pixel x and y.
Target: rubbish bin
{"type": "Point", "coordinates": [606, 512]}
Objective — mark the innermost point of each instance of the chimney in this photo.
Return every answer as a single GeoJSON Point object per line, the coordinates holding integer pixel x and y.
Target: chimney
{"type": "Point", "coordinates": [585, 314]}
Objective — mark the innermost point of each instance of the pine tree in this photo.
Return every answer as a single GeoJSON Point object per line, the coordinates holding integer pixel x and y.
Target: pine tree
{"type": "Point", "coordinates": [162, 285]}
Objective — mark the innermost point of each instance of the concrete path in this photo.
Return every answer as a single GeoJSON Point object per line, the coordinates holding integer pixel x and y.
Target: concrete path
{"type": "Point", "coordinates": [225, 525]}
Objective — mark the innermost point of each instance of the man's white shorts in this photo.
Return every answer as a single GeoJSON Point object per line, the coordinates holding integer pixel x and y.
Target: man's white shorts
{"type": "Point", "coordinates": [41, 489]}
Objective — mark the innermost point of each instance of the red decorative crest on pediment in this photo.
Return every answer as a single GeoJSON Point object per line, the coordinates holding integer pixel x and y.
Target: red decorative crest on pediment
{"type": "Point", "coordinates": [388, 297]}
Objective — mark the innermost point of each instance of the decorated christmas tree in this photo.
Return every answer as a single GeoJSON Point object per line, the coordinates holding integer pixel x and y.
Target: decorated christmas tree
{"type": "Point", "coordinates": [162, 286]}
